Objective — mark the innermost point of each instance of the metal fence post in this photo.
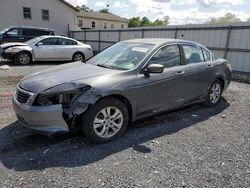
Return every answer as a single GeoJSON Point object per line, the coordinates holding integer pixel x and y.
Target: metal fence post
{"type": "Point", "coordinates": [176, 33]}
{"type": "Point", "coordinates": [85, 37]}
{"type": "Point", "coordinates": [142, 33]}
{"type": "Point", "coordinates": [227, 41]}
{"type": "Point", "coordinates": [99, 41]}
{"type": "Point", "coordinates": [119, 36]}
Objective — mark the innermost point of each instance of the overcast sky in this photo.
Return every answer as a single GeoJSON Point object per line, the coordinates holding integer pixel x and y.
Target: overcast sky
{"type": "Point", "coordinates": [179, 11]}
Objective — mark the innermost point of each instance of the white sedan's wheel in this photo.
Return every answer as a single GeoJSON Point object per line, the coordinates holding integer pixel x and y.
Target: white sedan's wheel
{"type": "Point", "coordinates": [108, 122]}
{"type": "Point", "coordinates": [78, 57]}
{"type": "Point", "coordinates": [23, 58]}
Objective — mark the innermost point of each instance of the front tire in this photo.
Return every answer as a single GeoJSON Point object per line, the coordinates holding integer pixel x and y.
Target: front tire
{"type": "Point", "coordinates": [214, 93]}
{"type": "Point", "coordinates": [105, 121]}
{"type": "Point", "coordinates": [23, 58]}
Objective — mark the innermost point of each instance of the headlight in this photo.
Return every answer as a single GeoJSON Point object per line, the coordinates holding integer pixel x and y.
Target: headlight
{"type": "Point", "coordinates": [11, 49]}
{"type": "Point", "coordinates": [62, 94]}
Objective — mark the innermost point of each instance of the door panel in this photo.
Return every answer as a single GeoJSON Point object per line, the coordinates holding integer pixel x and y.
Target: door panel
{"type": "Point", "coordinates": [159, 92]}
{"type": "Point", "coordinates": [199, 73]}
{"type": "Point", "coordinates": [47, 49]}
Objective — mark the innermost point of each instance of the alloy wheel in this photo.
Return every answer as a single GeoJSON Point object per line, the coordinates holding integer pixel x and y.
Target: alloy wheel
{"type": "Point", "coordinates": [78, 57]}
{"type": "Point", "coordinates": [108, 122]}
{"type": "Point", "coordinates": [23, 58]}
{"type": "Point", "coordinates": [215, 93]}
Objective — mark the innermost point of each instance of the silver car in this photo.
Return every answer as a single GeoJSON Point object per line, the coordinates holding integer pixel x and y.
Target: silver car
{"type": "Point", "coordinates": [130, 80]}
{"type": "Point", "coordinates": [46, 48]}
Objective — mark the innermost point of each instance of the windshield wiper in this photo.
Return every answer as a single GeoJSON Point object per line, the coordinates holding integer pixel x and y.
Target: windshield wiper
{"type": "Point", "coordinates": [101, 65]}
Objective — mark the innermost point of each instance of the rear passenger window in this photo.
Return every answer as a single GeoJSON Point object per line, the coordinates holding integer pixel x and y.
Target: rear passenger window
{"type": "Point", "coordinates": [29, 32]}
{"type": "Point", "coordinates": [207, 55]}
{"type": "Point", "coordinates": [193, 54]}
{"type": "Point", "coordinates": [66, 42]}
{"type": "Point", "coordinates": [169, 56]}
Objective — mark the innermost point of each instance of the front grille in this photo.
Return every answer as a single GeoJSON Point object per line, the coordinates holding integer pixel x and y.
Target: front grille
{"type": "Point", "coordinates": [22, 97]}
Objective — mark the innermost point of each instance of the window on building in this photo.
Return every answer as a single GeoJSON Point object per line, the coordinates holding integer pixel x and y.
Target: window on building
{"type": "Point", "coordinates": [45, 14]}
{"type": "Point", "coordinates": [80, 23]}
{"type": "Point", "coordinates": [122, 26]}
{"type": "Point", "coordinates": [193, 54]}
{"type": "Point", "coordinates": [112, 26]}
{"type": "Point", "coordinates": [27, 12]}
{"type": "Point", "coordinates": [105, 26]}
{"type": "Point", "coordinates": [93, 24]}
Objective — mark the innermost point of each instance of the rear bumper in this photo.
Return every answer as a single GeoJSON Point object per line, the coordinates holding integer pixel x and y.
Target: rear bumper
{"type": "Point", "coordinates": [46, 119]}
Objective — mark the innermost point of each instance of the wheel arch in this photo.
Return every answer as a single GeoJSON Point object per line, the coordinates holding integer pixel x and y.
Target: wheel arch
{"type": "Point", "coordinates": [27, 51]}
{"type": "Point", "coordinates": [80, 53]}
{"type": "Point", "coordinates": [124, 100]}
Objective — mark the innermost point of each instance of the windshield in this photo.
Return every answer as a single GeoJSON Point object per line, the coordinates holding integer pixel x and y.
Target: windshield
{"type": "Point", "coordinates": [3, 31]}
{"type": "Point", "coordinates": [122, 55]}
{"type": "Point", "coordinates": [33, 40]}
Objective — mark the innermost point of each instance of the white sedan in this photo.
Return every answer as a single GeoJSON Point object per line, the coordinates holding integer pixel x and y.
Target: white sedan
{"type": "Point", "coordinates": [46, 48]}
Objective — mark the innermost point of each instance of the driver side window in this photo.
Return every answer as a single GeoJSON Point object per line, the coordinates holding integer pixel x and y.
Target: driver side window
{"type": "Point", "coordinates": [50, 41]}
{"type": "Point", "coordinates": [169, 56]}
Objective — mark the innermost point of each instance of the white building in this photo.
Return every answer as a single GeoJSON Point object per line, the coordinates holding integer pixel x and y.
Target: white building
{"type": "Point", "coordinates": [53, 14]}
{"type": "Point", "coordinates": [96, 20]}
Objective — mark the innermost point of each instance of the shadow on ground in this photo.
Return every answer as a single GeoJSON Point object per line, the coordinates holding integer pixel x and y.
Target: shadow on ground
{"type": "Point", "coordinates": [23, 150]}
{"type": "Point", "coordinates": [46, 63]}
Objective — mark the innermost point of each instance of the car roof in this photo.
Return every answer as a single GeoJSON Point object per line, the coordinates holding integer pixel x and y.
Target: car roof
{"type": "Point", "coordinates": [159, 41]}
{"type": "Point", "coordinates": [30, 27]}
{"type": "Point", "coordinates": [56, 36]}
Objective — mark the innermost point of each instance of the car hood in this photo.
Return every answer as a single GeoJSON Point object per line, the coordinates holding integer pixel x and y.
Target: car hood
{"type": "Point", "coordinates": [67, 73]}
{"type": "Point", "coordinates": [11, 44]}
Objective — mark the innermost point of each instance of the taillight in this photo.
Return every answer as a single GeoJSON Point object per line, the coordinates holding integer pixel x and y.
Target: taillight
{"type": "Point", "coordinates": [229, 66]}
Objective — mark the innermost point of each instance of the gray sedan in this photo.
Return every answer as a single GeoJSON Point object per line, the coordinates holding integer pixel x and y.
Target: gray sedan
{"type": "Point", "coordinates": [128, 81]}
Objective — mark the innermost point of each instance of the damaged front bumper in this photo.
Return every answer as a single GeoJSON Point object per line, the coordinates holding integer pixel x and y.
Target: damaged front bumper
{"type": "Point", "coordinates": [46, 119]}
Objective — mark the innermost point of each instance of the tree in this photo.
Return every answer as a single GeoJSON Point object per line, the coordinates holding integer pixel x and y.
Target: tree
{"type": "Point", "coordinates": [134, 22]}
{"type": "Point", "coordinates": [105, 10]}
{"type": "Point", "coordinates": [145, 22]}
{"type": "Point", "coordinates": [84, 8]}
{"type": "Point", "coordinates": [227, 18]}
{"type": "Point", "coordinates": [138, 22]}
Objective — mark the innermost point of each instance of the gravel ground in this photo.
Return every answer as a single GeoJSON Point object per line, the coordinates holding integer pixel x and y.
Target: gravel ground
{"type": "Point", "coordinates": [192, 147]}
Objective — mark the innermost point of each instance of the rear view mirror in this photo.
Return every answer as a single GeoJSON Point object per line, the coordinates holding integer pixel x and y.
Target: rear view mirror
{"type": "Point", "coordinates": [39, 44]}
{"type": "Point", "coordinates": [153, 68]}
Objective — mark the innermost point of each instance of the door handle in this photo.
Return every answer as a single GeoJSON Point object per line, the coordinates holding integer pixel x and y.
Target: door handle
{"type": "Point", "coordinates": [179, 73]}
{"type": "Point", "coordinates": [209, 66]}
{"type": "Point", "coordinates": [21, 38]}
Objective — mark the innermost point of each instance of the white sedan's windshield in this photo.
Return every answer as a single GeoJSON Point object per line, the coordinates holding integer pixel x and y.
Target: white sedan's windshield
{"type": "Point", "coordinates": [33, 40]}
{"type": "Point", "coordinates": [123, 55]}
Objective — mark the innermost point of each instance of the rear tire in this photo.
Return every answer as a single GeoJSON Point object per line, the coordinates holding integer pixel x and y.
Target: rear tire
{"type": "Point", "coordinates": [214, 93]}
{"type": "Point", "coordinates": [78, 57]}
{"type": "Point", "coordinates": [23, 58]}
{"type": "Point", "coordinates": [105, 121]}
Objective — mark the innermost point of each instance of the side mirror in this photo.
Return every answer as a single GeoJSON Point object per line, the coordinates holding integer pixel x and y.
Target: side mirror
{"type": "Point", "coordinates": [153, 68]}
{"type": "Point", "coordinates": [39, 44]}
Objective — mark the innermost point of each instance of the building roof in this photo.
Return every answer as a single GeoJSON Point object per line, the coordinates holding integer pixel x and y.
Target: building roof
{"type": "Point", "coordinates": [101, 16]}
{"type": "Point", "coordinates": [69, 5]}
